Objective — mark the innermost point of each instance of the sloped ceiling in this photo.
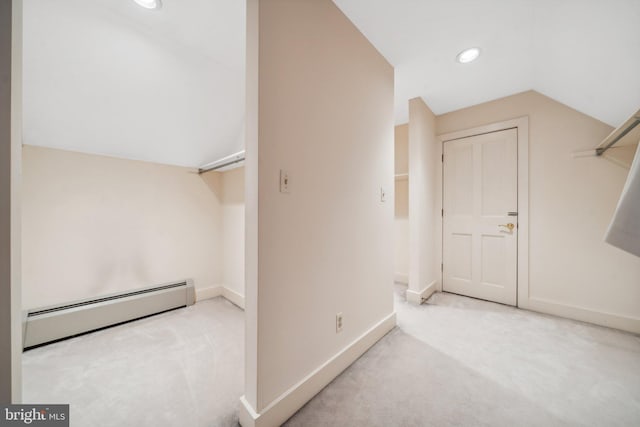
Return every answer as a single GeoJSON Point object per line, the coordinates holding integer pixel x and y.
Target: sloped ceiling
{"type": "Point", "coordinates": [109, 77]}
{"type": "Point", "coordinates": [583, 53]}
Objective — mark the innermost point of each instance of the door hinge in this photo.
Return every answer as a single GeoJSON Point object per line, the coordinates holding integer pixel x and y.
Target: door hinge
{"type": "Point", "coordinates": [442, 213]}
{"type": "Point", "coordinates": [443, 158]}
{"type": "Point", "coordinates": [441, 267]}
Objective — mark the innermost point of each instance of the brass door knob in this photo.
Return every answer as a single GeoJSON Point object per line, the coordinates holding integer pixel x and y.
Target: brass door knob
{"type": "Point", "coordinates": [510, 226]}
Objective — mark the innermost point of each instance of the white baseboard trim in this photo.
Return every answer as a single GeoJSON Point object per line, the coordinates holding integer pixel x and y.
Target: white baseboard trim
{"type": "Point", "coordinates": [233, 297]}
{"type": "Point", "coordinates": [220, 290]}
{"type": "Point", "coordinates": [210, 292]}
{"type": "Point", "coordinates": [625, 323]}
{"type": "Point", "coordinates": [419, 297]}
{"type": "Point", "coordinates": [401, 278]}
{"type": "Point", "coordinates": [293, 399]}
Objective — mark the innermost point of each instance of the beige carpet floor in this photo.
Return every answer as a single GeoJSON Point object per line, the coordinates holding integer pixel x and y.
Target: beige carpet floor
{"type": "Point", "coordinates": [183, 368]}
{"type": "Point", "coordinates": [453, 361]}
{"type": "Point", "coordinates": [457, 361]}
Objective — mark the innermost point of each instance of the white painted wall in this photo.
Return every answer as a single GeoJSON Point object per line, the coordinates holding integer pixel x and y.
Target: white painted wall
{"type": "Point", "coordinates": [17, 125]}
{"type": "Point", "coordinates": [233, 229]}
{"type": "Point", "coordinates": [94, 225]}
{"type": "Point", "coordinates": [325, 106]}
{"type": "Point", "coordinates": [249, 401]}
{"type": "Point", "coordinates": [10, 163]}
{"type": "Point", "coordinates": [112, 78]}
{"type": "Point", "coordinates": [401, 222]}
{"type": "Point", "coordinates": [572, 271]}
{"type": "Point", "coordinates": [525, 46]}
{"type": "Point", "coordinates": [424, 202]}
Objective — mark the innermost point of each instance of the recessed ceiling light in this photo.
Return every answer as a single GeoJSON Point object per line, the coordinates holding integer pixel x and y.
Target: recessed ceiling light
{"type": "Point", "coordinates": [149, 4]}
{"type": "Point", "coordinates": [468, 55]}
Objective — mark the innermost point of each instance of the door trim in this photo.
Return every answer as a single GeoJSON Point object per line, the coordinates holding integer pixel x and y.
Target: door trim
{"type": "Point", "coordinates": [522, 126]}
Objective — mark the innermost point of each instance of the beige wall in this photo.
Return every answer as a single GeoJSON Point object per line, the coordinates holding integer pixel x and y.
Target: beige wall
{"type": "Point", "coordinates": [424, 198]}
{"type": "Point", "coordinates": [401, 223]}
{"type": "Point", "coordinates": [572, 272]}
{"type": "Point", "coordinates": [401, 153]}
{"type": "Point", "coordinates": [10, 163]}
{"type": "Point", "coordinates": [401, 229]}
{"type": "Point", "coordinates": [233, 229]}
{"type": "Point", "coordinates": [326, 117]}
{"type": "Point", "coordinates": [94, 225]}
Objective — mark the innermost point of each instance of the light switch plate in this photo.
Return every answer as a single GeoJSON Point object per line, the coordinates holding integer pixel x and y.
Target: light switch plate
{"type": "Point", "coordinates": [383, 195]}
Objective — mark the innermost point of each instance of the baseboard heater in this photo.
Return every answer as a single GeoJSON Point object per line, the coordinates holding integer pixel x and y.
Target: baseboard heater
{"type": "Point", "coordinates": [48, 324]}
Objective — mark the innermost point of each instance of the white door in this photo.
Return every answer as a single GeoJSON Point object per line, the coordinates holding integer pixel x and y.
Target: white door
{"type": "Point", "coordinates": [480, 233]}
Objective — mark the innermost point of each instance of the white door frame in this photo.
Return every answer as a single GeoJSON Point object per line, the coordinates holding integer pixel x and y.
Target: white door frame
{"type": "Point", "coordinates": [11, 159]}
{"type": "Point", "coordinates": [522, 125]}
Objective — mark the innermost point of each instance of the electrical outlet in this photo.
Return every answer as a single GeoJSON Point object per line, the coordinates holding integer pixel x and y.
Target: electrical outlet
{"type": "Point", "coordinates": [284, 181]}
{"type": "Point", "coordinates": [338, 323]}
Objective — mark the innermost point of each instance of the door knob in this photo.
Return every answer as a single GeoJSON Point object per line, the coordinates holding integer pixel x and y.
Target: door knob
{"type": "Point", "coordinates": [510, 226]}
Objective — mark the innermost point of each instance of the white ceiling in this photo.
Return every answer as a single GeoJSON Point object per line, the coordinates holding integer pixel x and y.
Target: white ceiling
{"type": "Point", "coordinates": [583, 53]}
{"type": "Point", "coordinates": [109, 77]}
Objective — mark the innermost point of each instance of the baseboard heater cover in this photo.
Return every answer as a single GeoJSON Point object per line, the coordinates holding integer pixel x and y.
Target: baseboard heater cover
{"type": "Point", "coordinates": [47, 324]}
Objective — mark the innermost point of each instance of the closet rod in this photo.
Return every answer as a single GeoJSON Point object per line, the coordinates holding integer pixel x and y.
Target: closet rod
{"type": "Point", "coordinates": [600, 151]}
{"type": "Point", "coordinates": [220, 166]}
{"type": "Point", "coordinates": [223, 163]}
